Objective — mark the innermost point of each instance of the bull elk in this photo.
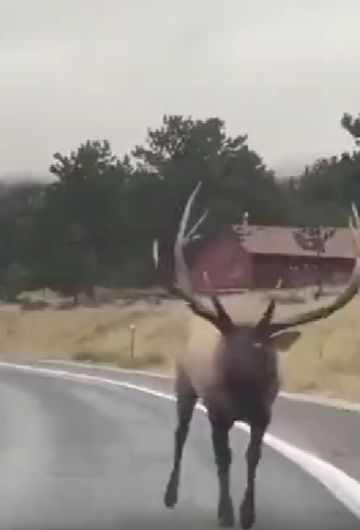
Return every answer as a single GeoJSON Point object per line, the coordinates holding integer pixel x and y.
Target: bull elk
{"type": "Point", "coordinates": [234, 370]}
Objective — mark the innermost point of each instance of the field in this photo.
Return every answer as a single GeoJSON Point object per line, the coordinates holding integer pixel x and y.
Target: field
{"type": "Point", "coordinates": [325, 359]}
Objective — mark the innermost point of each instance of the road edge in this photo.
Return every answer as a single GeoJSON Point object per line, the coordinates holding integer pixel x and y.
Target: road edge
{"type": "Point", "coordinates": [314, 399]}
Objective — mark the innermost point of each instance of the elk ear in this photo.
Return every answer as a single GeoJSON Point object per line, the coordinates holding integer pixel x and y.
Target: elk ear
{"type": "Point", "coordinates": [285, 339]}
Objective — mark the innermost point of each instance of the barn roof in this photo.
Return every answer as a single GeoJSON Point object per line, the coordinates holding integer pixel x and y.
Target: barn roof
{"type": "Point", "coordinates": [282, 240]}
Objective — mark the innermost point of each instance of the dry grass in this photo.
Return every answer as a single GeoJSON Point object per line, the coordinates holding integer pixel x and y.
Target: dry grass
{"type": "Point", "coordinates": [99, 334]}
{"type": "Point", "coordinates": [326, 358]}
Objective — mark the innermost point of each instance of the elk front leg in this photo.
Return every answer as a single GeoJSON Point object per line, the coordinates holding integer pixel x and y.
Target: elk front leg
{"type": "Point", "coordinates": [186, 399]}
{"type": "Point", "coordinates": [220, 438]}
{"type": "Point", "coordinates": [253, 455]}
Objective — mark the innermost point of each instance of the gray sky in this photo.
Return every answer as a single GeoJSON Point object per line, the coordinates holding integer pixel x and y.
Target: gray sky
{"type": "Point", "coordinates": [282, 71]}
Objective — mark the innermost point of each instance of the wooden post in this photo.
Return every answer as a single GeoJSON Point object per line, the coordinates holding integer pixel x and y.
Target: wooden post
{"type": "Point", "coordinates": [132, 341]}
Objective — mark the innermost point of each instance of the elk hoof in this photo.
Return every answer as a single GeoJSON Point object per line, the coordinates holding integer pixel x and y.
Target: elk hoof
{"type": "Point", "coordinates": [226, 518]}
{"type": "Point", "coordinates": [171, 495]}
{"type": "Point", "coordinates": [247, 516]}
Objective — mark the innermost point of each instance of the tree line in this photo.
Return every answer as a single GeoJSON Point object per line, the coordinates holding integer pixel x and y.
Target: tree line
{"type": "Point", "coordinates": [95, 223]}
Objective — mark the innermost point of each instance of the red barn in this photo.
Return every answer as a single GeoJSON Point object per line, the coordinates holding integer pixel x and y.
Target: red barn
{"type": "Point", "coordinates": [227, 263]}
{"type": "Point", "coordinates": [265, 254]}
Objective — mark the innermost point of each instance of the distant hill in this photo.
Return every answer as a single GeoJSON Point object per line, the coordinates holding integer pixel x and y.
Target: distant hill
{"type": "Point", "coordinates": [10, 182]}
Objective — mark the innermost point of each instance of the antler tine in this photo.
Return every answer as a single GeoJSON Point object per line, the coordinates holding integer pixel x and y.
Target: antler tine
{"type": "Point", "coordinates": [197, 225]}
{"type": "Point", "coordinates": [225, 320]}
{"type": "Point", "coordinates": [156, 253]}
{"type": "Point", "coordinates": [182, 277]}
{"type": "Point", "coordinates": [354, 224]}
{"type": "Point", "coordinates": [355, 214]}
{"type": "Point", "coordinates": [182, 237]}
{"type": "Point", "coordinates": [264, 322]}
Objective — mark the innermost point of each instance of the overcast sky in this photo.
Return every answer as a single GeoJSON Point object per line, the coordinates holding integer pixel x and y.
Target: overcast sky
{"type": "Point", "coordinates": [282, 71]}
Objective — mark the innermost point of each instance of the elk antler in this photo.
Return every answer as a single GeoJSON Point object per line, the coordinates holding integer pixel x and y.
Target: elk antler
{"type": "Point", "coordinates": [341, 300]}
{"type": "Point", "coordinates": [219, 317]}
{"type": "Point", "coordinates": [262, 327]}
{"type": "Point", "coordinates": [223, 317]}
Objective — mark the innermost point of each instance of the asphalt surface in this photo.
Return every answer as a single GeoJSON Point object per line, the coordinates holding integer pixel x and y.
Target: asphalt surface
{"type": "Point", "coordinates": [92, 457]}
{"type": "Point", "coordinates": [327, 432]}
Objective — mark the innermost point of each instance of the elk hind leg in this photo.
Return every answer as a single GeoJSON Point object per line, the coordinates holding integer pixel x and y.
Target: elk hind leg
{"type": "Point", "coordinates": [186, 399]}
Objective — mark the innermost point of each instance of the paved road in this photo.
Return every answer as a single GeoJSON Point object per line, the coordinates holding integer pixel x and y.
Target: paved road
{"type": "Point", "coordinates": [88, 457]}
{"type": "Point", "coordinates": [327, 432]}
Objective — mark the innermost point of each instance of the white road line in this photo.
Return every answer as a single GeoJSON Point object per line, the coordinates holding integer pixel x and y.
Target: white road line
{"type": "Point", "coordinates": [339, 404]}
{"type": "Point", "coordinates": [344, 488]}
{"type": "Point", "coordinates": [335, 403]}
{"type": "Point", "coordinates": [99, 366]}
